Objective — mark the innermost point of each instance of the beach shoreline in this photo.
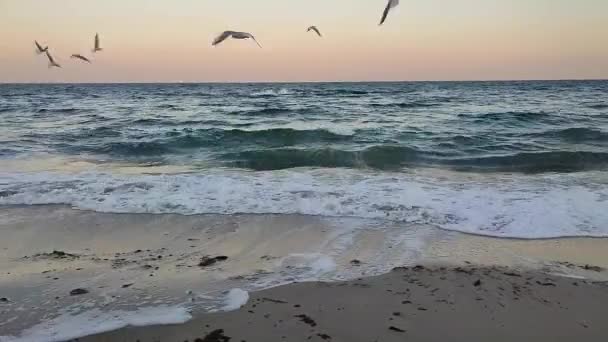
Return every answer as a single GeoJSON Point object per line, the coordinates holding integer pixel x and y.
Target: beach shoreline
{"type": "Point", "coordinates": [147, 269]}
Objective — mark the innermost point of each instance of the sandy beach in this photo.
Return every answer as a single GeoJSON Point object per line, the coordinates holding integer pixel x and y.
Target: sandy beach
{"type": "Point", "coordinates": [408, 304]}
{"type": "Point", "coordinates": [69, 273]}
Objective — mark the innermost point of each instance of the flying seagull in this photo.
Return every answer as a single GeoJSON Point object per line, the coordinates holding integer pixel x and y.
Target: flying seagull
{"type": "Point", "coordinates": [97, 47]}
{"type": "Point", "coordinates": [314, 28]}
{"type": "Point", "coordinates": [52, 62]}
{"type": "Point", "coordinates": [391, 4]}
{"type": "Point", "coordinates": [235, 35]}
{"type": "Point", "coordinates": [39, 49]}
{"type": "Point", "coordinates": [81, 57]}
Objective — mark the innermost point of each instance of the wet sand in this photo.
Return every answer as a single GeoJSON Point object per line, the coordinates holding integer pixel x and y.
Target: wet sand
{"type": "Point", "coordinates": [131, 262]}
{"type": "Point", "coordinates": [408, 304]}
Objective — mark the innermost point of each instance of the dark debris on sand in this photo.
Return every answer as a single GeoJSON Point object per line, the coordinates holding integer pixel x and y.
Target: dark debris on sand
{"type": "Point", "coordinates": [307, 320]}
{"type": "Point", "coordinates": [208, 260]}
{"type": "Point", "coordinates": [78, 292]}
{"type": "Point", "coordinates": [324, 337]}
{"type": "Point", "coordinates": [276, 301]}
{"type": "Point", "coordinates": [396, 329]}
{"type": "Point", "coordinates": [55, 255]}
{"type": "Point", "coordinates": [214, 336]}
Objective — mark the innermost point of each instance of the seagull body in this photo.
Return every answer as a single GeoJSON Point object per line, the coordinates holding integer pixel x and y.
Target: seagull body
{"type": "Point", "coordinates": [391, 4]}
{"type": "Point", "coordinates": [39, 49]}
{"type": "Point", "coordinates": [81, 57]}
{"type": "Point", "coordinates": [314, 28]}
{"type": "Point", "coordinates": [52, 62]}
{"type": "Point", "coordinates": [234, 35]}
{"type": "Point", "coordinates": [97, 47]}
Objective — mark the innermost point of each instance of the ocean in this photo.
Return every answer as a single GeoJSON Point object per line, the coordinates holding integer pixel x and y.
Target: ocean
{"type": "Point", "coordinates": [506, 159]}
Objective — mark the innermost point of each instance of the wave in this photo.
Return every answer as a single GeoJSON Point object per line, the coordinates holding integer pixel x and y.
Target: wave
{"type": "Point", "coordinates": [386, 157]}
{"type": "Point", "coordinates": [132, 149]}
{"type": "Point", "coordinates": [576, 134]}
{"type": "Point", "coordinates": [598, 106]}
{"type": "Point", "coordinates": [414, 104]}
{"type": "Point", "coordinates": [379, 157]}
{"type": "Point", "coordinates": [508, 116]}
{"type": "Point", "coordinates": [273, 92]}
{"type": "Point", "coordinates": [562, 161]}
{"type": "Point", "coordinates": [61, 110]}
{"type": "Point", "coordinates": [352, 92]}
{"type": "Point", "coordinates": [4, 152]}
{"type": "Point", "coordinates": [511, 206]}
{"type": "Point", "coordinates": [168, 123]}
{"type": "Point", "coordinates": [175, 141]}
{"type": "Point", "coordinates": [7, 109]}
{"type": "Point", "coordinates": [170, 107]}
{"type": "Point", "coordinates": [263, 111]}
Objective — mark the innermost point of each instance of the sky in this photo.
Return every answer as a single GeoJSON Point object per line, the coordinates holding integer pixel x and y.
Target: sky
{"type": "Point", "coordinates": [170, 40]}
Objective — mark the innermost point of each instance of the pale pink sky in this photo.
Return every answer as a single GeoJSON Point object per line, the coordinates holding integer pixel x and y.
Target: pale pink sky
{"type": "Point", "coordinates": [170, 40]}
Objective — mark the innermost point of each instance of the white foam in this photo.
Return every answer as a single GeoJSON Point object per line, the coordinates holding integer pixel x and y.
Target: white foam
{"type": "Point", "coordinates": [273, 92]}
{"type": "Point", "coordinates": [540, 206]}
{"type": "Point", "coordinates": [235, 299]}
{"type": "Point", "coordinates": [68, 326]}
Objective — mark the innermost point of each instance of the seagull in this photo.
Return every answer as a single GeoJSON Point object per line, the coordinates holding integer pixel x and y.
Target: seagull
{"type": "Point", "coordinates": [314, 28]}
{"type": "Point", "coordinates": [234, 35]}
{"type": "Point", "coordinates": [391, 4]}
{"type": "Point", "coordinates": [97, 47]}
{"type": "Point", "coordinates": [52, 62]}
{"type": "Point", "coordinates": [81, 57]}
{"type": "Point", "coordinates": [39, 49]}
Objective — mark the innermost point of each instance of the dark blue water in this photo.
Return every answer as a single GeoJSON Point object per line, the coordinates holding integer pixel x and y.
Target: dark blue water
{"type": "Point", "coordinates": [512, 126]}
{"type": "Point", "coordinates": [503, 140]}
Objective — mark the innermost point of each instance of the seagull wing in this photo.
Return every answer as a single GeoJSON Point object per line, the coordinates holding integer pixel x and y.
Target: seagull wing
{"type": "Point", "coordinates": [252, 37]}
{"type": "Point", "coordinates": [52, 62]}
{"type": "Point", "coordinates": [81, 57]}
{"type": "Point", "coordinates": [39, 47]}
{"type": "Point", "coordinates": [222, 37]}
{"type": "Point", "coordinates": [97, 41]}
{"type": "Point", "coordinates": [314, 28]}
{"type": "Point", "coordinates": [391, 4]}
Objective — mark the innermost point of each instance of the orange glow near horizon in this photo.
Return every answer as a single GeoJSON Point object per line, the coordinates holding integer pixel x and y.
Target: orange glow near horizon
{"type": "Point", "coordinates": [170, 41]}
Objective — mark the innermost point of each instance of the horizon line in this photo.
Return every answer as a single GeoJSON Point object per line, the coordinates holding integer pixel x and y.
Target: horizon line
{"type": "Point", "coordinates": [312, 82]}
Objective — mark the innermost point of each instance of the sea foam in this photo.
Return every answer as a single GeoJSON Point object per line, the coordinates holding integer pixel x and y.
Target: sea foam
{"type": "Point", "coordinates": [540, 206]}
{"type": "Point", "coordinates": [68, 326]}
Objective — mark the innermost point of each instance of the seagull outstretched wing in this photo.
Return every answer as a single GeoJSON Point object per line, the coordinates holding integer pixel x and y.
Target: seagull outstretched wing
{"type": "Point", "coordinates": [39, 48]}
{"type": "Point", "coordinates": [81, 57]}
{"type": "Point", "coordinates": [97, 46]}
{"type": "Point", "coordinates": [52, 62]}
{"type": "Point", "coordinates": [314, 28]}
{"type": "Point", "coordinates": [391, 4]}
{"type": "Point", "coordinates": [223, 36]}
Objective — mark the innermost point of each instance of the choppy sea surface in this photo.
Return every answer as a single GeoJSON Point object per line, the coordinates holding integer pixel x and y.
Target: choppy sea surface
{"type": "Point", "coordinates": [507, 159]}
